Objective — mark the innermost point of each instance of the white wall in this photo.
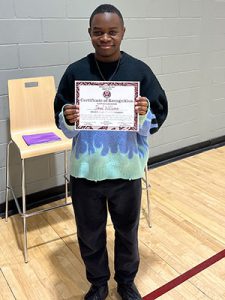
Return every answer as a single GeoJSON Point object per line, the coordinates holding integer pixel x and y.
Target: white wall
{"type": "Point", "coordinates": [183, 41]}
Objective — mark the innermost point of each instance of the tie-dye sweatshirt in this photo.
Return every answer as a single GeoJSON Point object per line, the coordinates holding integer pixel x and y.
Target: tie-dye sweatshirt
{"type": "Point", "coordinates": [100, 155]}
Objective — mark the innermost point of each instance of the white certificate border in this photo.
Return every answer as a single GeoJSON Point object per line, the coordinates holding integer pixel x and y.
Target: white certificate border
{"type": "Point", "coordinates": [136, 85]}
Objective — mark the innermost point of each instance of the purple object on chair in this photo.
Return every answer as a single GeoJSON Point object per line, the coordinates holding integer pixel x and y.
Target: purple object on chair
{"type": "Point", "coordinates": [40, 138]}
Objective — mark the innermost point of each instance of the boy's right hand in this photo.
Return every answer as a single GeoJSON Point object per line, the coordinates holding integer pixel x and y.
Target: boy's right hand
{"type": "Point", "coordinates": [71, 113]}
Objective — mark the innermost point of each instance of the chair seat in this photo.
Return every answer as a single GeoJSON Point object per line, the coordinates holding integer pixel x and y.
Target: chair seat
{"type": "Point", "coordinates": [43, 148]}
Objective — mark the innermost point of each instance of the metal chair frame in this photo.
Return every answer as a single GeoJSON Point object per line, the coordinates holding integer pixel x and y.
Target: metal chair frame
{"type": "Point", "coordinates": [147, 188]}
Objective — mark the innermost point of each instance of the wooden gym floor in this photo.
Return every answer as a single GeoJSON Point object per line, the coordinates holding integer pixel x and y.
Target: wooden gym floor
{"type": "Point", "coordinates": [188, 227]}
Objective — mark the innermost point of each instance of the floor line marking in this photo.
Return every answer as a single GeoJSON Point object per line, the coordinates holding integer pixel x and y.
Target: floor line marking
{"type": "Point", "coordinates": [185, 276]}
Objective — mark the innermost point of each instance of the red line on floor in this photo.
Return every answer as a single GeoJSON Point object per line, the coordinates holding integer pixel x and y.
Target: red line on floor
{"type": "Point", "coordinates": [185, 276]}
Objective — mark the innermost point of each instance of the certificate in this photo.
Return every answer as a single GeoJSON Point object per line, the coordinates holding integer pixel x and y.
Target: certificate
{"type": "Point", "coordinates": [107, 105]}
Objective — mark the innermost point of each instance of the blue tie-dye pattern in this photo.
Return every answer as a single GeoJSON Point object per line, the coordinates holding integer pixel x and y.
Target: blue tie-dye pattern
{"type": "Point", "coordinates": [143, 146]}
{"type": "Point", "coordinates": [106, 141]}
{"type": "Point", "coordinates": [100, 155]}
{"type": "Point", "coordinates": [129, 143]}
{"type": "Point", "coordinates": [109, 142]}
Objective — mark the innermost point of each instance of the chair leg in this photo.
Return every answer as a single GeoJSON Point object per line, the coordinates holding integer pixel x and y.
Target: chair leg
{"type": "Point", "coordinates": [66, 174]}
{"type": "Point", "coordinates": [24, 213]}
{"type": "Point", "coordinates": [7, 183]}
{"type": "Point", "coordinates": [147, 186]}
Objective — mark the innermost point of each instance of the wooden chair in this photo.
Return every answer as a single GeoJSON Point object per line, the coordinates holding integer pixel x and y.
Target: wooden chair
{"type": "Point", "coordinates": [31, 112]}
{"type": "Point", "coordinates": [147, 188]}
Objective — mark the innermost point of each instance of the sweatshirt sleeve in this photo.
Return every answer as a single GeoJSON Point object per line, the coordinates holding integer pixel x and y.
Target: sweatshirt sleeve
{"type": "Point", "coordinates": [147, 123]}
{"type": "Point", "coordinates": [68, 130]}
{"type": "Point", "coordinates": [151, 88]}
{"type": "Point", "coordinates": [64, 95]}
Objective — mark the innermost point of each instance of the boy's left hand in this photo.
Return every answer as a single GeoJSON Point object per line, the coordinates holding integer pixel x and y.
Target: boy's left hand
{"type": "Point", "coordinates": [141, 105]}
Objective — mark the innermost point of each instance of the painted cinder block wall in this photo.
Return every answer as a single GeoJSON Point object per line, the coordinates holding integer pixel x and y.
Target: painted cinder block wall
{"type": "Point", "coordinates": [183, 41]}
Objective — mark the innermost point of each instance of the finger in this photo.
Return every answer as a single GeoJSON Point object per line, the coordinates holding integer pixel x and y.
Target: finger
{"type": "Point", "coordinates": [141, 101]}
{"type": "Point", "coordinates": [70, 119]}
{"type": "Point", "coordinates": [69, 106]}
{"type": "Point", "coordinates": [142, 110]}
{"type": "Point", "coordinates": [69, 112]}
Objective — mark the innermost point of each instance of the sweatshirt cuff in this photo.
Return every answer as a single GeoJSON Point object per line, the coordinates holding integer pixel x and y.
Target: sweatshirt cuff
{"type": "Point", "coordinates": [63, 120]}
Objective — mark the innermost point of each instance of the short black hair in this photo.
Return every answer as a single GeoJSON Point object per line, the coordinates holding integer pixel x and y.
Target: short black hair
{"type": "Point", "coordinates": [106, 8]}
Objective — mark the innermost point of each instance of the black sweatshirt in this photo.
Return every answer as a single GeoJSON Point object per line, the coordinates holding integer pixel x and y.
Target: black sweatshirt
{"type": "Point", "coordinates": [130, 69]}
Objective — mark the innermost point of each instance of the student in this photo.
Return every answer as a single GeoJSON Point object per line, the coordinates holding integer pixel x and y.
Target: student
{"type": "Point", "coordinates": [107, 166]}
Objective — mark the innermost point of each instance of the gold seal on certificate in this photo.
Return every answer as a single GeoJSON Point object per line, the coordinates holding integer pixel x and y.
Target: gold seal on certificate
{"type": "Point", "coordinates": [107, 105]}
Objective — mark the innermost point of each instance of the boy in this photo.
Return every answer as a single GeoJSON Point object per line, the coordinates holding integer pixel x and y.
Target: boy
{"type": "Point", "coordinates": [107, 166]}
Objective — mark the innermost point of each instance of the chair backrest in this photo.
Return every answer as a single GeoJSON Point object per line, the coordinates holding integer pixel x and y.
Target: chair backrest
{"type": "Point", "coordinates": [31, 103]}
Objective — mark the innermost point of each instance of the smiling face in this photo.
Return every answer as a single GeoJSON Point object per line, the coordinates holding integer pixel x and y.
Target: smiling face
{"type": "Point", "coordinates": [106, 34]}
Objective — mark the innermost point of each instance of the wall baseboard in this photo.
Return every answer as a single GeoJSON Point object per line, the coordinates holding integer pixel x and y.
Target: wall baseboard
{"type": "Point", "coordinates": [181, 153]}
{"type": "Point", "coordinates": [56, 193]}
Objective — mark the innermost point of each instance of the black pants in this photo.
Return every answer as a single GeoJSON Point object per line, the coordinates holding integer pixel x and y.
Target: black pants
{"type": "Point", "coordinates": [90, 200]}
